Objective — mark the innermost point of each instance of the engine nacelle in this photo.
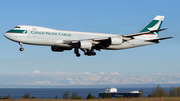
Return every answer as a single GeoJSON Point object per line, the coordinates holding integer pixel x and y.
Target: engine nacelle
{"type": "Point", "coordinates": [85, 44]}
{"type": "Point", "coordinates": [115, 40]}
{"type": "Point", "coordinates": [59, 49]}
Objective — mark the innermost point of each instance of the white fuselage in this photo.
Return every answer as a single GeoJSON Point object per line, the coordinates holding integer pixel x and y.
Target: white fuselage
{"type": "Point", "coordinates": [34, 35]}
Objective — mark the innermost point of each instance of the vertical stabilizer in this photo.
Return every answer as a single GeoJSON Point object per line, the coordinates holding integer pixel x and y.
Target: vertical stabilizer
{"type": "Point", "coordinates": [154, 24]}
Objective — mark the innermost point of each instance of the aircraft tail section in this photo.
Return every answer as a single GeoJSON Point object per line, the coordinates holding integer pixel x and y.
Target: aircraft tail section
{"type": "Point", "coordinates": [154, 24]}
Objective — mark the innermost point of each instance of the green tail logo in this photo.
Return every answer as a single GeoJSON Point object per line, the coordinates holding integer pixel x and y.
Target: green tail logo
{"type": "Point", "coordinates": [154, 24]}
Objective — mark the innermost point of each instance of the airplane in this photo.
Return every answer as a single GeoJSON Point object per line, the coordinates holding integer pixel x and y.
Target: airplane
{"type": "Point", "coordinates": [61, 40]}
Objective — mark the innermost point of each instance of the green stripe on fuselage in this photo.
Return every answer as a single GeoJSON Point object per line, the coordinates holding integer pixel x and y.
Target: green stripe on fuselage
{"type": "Point", "coordinates": [16, 31]}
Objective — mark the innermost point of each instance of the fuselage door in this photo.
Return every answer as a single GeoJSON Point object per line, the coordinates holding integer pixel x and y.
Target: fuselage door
{"type": "Point", "coordinates": [28, 32]}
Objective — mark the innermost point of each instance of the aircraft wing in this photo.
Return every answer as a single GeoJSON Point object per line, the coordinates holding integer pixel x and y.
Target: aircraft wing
{"type": "Point", "coordinates": [124, 37]}
{"type": "Point", "coordinates": [104, 41]}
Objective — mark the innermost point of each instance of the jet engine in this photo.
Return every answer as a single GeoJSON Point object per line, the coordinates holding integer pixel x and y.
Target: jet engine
{"type": "Point", "coordinates": [85, 44]}
{"type": "Point", "coordinates": [115, 40]}
{"type": "Point", "coordinates": [59, 49]}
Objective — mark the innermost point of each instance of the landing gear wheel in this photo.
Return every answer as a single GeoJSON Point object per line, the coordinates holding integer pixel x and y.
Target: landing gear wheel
{"type": "Point", "coordinates": [76, 51]}
{"type": "Point", "coordinates": [89, 52]}
{"type": "Point", "coordinates": [93, 53]}
{"type": "Point", "coordinates": [78, 55]}
{"type": "Point", "coordinates": [85, 53]}
{"type": "Point", "coordinates": [21, 49]}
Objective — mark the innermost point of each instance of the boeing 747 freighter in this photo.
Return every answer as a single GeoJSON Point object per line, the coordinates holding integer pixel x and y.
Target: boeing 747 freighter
{"type": "Point", "coordinates": [61, 40]}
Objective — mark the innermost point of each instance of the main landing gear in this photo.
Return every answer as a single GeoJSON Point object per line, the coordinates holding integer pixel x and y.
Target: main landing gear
{"type": "Point", "coordinates": [21, 49]}
{"type": "Point", "coordinates": [76, 51]}
{"type": "Point", "coordinates": [89, 52]}
{"type": "Point", "coordinates": [86, 52]}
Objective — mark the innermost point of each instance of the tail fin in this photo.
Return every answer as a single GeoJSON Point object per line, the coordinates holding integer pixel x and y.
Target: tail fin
{"type": "Point", "coordinates": [154, 24]}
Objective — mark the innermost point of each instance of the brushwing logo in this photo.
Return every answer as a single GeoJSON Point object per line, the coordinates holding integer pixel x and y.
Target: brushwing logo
{"type": "Point", "coordinates": [25, 32]}
{"type": "Point", "coordinates": [155, 27]}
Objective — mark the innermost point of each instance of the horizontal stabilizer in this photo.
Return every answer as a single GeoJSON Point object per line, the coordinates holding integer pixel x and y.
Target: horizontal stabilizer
{"type": "Point", "coordinates": [154, 40]}
{"type": "Point", "coordinates": [158, 30]}
{"type": "Point", "coordinates": [137, 34]}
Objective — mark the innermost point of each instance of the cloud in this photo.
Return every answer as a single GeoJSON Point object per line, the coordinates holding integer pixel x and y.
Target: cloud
{"type": "Point", "coordinates": [101, 73]}
{"type": "Point", "coordinates": [87, 73]}
{"type": "Point", "coordinates": [111, 73]}
{"type": "Point", "coordinates": [42, 83]}
{"type": "Point", "coordinates": [67, 78]}
{"type": "Point", "coordinates": [58, 72]}
{"type": "Point", "coordinates": [35, 72]}
{"type": "Point", "coordinates": [160, 73]}
{"type": "Point", "coordinates": [115, 73]}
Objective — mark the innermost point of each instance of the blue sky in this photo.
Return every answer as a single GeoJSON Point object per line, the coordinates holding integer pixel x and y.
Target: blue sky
{"type": "Point", "coordinates": [101, 16]}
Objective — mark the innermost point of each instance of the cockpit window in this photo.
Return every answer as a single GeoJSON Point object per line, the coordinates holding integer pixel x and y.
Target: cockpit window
{"type": "Point", "coordinates": [17, 27]}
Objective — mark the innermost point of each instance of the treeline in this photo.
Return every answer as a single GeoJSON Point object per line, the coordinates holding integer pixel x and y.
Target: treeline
{"type": "Point", "coordinates": [65, 96]}
{"type": "Point", "coordinates": [75, 96]}
{"type": "Point", "coordinates": [156, 92]}
{"type": "Point", "coordinates": [161, 92]}
{"type": "Point", "coordinates": [5, 97]}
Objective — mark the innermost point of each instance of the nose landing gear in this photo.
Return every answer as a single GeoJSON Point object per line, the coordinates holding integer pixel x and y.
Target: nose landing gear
{"type": "Point", "coordinates": [21, 49]}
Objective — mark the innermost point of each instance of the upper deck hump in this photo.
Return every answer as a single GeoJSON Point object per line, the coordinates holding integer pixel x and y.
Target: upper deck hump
{"type": "Point", "coordinates": [29, 27]}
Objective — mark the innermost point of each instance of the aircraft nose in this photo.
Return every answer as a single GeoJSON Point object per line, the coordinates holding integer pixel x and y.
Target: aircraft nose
{"type": "Point", "coordinates": [10, 36]}
{"type": "Point", "coordinates": [5, 34]}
